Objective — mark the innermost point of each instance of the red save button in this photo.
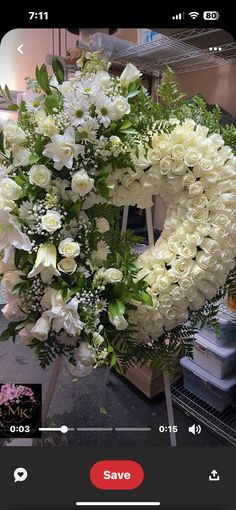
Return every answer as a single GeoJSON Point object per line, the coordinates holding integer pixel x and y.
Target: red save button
{"type": "Point", "coordinates": [116, 474]}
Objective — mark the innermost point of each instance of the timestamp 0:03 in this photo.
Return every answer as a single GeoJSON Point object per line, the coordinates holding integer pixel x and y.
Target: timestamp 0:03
{"type": "Point", "coordinates": [21, 429]}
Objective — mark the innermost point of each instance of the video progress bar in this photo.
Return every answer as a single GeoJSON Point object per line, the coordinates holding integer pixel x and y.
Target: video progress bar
{"type": "Point", "coordinates": [118, 503]}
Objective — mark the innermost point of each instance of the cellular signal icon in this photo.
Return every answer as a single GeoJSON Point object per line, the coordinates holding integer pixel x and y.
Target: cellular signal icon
{"type": "Point", "coordinates": [178, 16]}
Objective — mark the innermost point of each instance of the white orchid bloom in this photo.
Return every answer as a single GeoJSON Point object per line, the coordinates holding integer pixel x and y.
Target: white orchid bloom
{"type": "Point", "coordinates": [11, 234]}
{"type": "Point", "coordinates": [63, 149]}
{"type": "Point", "coordinates": [45, 263]}
{"type": "Point", "coordinates": [65, 316]}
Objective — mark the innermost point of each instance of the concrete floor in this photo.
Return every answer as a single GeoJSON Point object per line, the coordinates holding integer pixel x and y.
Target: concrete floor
{"type": "Point", "coordinates": [89, 402]}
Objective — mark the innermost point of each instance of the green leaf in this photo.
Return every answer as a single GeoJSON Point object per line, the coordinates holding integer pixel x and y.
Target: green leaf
{"type": "Point", "coordinates": [125, 125]}
{"type": "Point", "coordinates": [17, 288]}
{"type": "Point", "coordinates": [51, 102]}
{"type": "Point", "coordinates": [116, 309]}
{"type": "Point", "coordinates": [33, 159]}
{"type": "Point", "coordinates": [39, 145]}
{"type": "Point", "coordinates": [1, 142]}
{"type": "Point", "coordinates": [42, 79]}
{"type": "Point", "coordinates": [76, 208]}
{"type": "Point", "coordinates": [113, 360]}
{"type": "Point", "coordinates": [8, 94]}
{"type": "Point", "coordinates": [11, 330]}
{"type": "Point", "coordinates": [58, 69]}
{"type": "Point", "coordinates": [13, 107]}
{"type": "Point", "coordinates": [133, 94]}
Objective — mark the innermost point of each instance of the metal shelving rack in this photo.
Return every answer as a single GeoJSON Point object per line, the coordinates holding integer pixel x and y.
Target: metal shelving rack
{"type": "Point", "coordinates": [223, 425]}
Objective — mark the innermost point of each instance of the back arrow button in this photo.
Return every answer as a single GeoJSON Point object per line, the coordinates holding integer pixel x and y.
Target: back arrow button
{"type": "Point", "coordinates": [20, 49]}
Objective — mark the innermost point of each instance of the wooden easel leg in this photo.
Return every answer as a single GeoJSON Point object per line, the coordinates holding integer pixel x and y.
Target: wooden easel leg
{"type": "Point", "coordinates": [169, 406]}
{"type": "Point", "coordinates": [49, 394]}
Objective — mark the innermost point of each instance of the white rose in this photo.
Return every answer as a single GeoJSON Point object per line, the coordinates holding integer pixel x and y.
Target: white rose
{"type": "Point", "coordinates": [91, 200]}
{"type": "Point", "coordinates": [20, 156]}
{"type": "Point", "coordinates": [130, 74]}
{"type": "Point", "coordinates": [179, 168]}
{"type": "Point", "coordinates": [67, 265]}
{"type": "Point", "coordinates": [163, 282]}
{"type": "Point", "coordinates": [69, 248]}
{"type": "Point", "coordinates": [120, 107]}
{"type": "Point", "coordinates": [10, 279]}
{"type": "Point", "coordinates": [203, 259]}
{"type": "Point", "coordinates": [51, 221]}
{"type": "Point", "coordinates": [199, 201]}
{"type": "Point", "coordinates": [127, 180]}
{"type": "Point", "coordinates": [40, 175]}
{"type": "Point", "coordinates": [104, 79]}
{"type": "Point", "coordinates": [210, 246]}
{"type": "Point", "coordinates": [81, 183]}
{"type": "Point", "coordinates": [178, 151]}
{"type": "Point", "coordinates": [206, 288]}
{"type": "Point", "coordinates": [188, 179]}
{"type": "Point", "coordinates": [41, 329]}
{"type": "Point", "coordinates": [193, 238]}
{"type": "Point", "coordinates": [185, 283]}
{"type": "Point", "coordinates": [188, 251]}
{"type": "Point", "coordinates": [181, 267]}
{"type": "Point", "coordinates": [165, 165]}
{"type": "Point", "coordinates": [197, 272]}
{"type": "Point", "coordinates": [112, 275]}
{"type": "Point", "coordinates": [177, 293]}
{"type": "Point", "coordinates": [102, 225]}
{"type": "Point", "coordinates": [11, 310]}
{"type": "Point", "coordinates": [26, 333]}
{"type": "Point", "coordinates": [122, 197]}
{"type": "Point", "coordinates": [13, 133]}
{"type": "Point", "coordinates": [191, 156]}
{"type": "Point", "coordinates": [120, 323]}
{"type": "Point", "coordinates": [203, 229]}
{"type": "Point", "coordinates": [195, 188]}
{"type": "Point", "coordinates": [197, 215]}
{"type": "Point", "coordinates": [46, 124]}
{"type": "Point", "coordinates": [196, 301]}
{"type": "Point", "coordinates": [9, 190]}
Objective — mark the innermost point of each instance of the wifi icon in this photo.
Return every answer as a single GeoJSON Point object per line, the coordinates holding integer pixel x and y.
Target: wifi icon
{"type": "Point", "coordinates": [193, 14]}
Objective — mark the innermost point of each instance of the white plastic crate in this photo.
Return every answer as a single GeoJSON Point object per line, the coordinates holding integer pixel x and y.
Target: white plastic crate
{"type": "Point", "coordinates": [218, 393]}
{"type": "Point", "coordinates": [227, 333]}
{"type": "Point", "coordinates": [219, 361]}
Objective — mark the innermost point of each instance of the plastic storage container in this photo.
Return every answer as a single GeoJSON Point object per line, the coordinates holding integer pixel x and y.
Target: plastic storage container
{"type": "Point", "coordinates": [219, 361]}
{"type": "Point", "coordinates": [219, 393]}
{"type": "Point", "coordinates": [227, 334]}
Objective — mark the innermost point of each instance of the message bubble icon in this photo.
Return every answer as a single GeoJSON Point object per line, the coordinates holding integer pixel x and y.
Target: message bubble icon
{"type": "Point", "coordinates": [20, 474]}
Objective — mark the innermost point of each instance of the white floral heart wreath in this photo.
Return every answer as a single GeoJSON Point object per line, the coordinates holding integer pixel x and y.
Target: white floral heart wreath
{"type": "Point", "coordinates": [195, 173]}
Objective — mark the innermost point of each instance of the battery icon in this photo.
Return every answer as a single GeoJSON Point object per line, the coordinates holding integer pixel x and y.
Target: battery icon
{"type": "Point", "coordinates": [211, 15]}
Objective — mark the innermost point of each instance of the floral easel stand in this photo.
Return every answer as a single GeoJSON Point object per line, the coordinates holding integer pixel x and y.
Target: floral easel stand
{"type": "Point", "coordinates": [57, 366]}
{"type": "Point", "coordinates": [169, 404]}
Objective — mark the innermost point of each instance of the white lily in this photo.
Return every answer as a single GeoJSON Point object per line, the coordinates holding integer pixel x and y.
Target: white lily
{"type": "Point", "coordinates": [45, 263]}
{"type": "Point", "coordinates": [63, 149]}
{"type": "Point", "coordinates": [65, 316]}
{"type": "Point", "coordinates": [11, 234]}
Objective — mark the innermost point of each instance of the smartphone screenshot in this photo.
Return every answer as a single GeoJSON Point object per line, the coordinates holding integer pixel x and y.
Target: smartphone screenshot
{"type": "Point", "coordinates": [117, 260]}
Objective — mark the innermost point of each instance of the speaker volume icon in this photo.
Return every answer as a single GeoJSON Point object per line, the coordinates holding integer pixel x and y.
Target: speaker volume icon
{"type": "Point", "coordinates": [195, 429]}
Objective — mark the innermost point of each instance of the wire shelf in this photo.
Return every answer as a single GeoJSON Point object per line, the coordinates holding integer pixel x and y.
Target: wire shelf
{"type": "Point", "coordinates": [223, 425]}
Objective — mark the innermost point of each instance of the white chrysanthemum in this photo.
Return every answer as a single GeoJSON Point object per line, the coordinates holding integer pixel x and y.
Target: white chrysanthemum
{"type": "Point", "coordinates": [88, 86]}
{"type": "Point", "coordinates": [101, 253]}
{"type": "Point", "coordinates": [26, 210]}
{"type": "Point", "coordinates": [33, 102]}
{"type": "Point", "coordinates": [88, 130]}
{"type": "Point", "coordinates": [77, 110]}
{"type": "Point", "coordinates": [104, 109]}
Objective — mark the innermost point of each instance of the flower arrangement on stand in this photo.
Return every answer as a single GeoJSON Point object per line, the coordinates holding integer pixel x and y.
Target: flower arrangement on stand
{"type": "Point", "coordinates": [83, 148]}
